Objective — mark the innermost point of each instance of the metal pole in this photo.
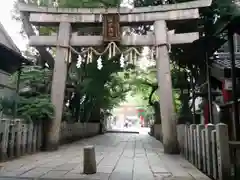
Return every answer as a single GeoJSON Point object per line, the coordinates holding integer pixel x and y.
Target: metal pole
{"type": "Point", "coordinates": [234, 86]}
{"type": "Point", "coordinates": [17, 91]}
{"type": "Point", "coordinates": [208, 73]}
{"type": "Point", "coordinates": [193, 95]}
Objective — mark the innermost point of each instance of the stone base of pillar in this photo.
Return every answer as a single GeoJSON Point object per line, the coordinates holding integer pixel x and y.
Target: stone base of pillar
{"type": "Point", "coordinates": [51, 146]}
{"type": "Point", "coordinates": [3, 156]}
{"type": "Point", "coordinates": [158, 132]}
{"type": "Point", "coordinates": [171, 148]}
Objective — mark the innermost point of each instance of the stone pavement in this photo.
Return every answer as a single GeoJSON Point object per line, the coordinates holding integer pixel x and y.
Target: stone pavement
{"type": "Point", "coordinates": [119, 157]}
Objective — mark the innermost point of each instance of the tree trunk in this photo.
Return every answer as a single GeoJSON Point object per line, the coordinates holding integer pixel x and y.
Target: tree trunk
{"type": "Point", "coordinates": [46, 57]}
{"type": "Point", "coordinates": [77, 106]}
{"type": "Point", "coordinates": [185, 112]}
{"type": "Point", "coordinates": [95, 115]}
{"type": "Point", "coordinates": [157, 113]}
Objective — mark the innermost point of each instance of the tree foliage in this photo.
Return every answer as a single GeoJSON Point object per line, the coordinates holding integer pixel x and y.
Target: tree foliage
{"type": "Point", "coordinates": [102, 89]}
{"type": "Point", "coordinates": [33, 102]}
{"type": "Point", "coordinates": [145, 83]}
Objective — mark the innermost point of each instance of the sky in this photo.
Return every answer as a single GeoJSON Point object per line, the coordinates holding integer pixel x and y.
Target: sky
{"type": "Point", "coordinates": [12, 26]}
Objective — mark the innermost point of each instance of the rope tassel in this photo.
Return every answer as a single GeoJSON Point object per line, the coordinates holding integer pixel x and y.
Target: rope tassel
{"type": "Point", "coordinates": [122, 63]}
{"type": "Point", "coordinates": [114, 49]}
{"type": "Point", "coordinates": [110, 52]}
{"type": "Point", "coordinates": [99, 63]}
{"type": "Point", "coordinates": [79, 62]}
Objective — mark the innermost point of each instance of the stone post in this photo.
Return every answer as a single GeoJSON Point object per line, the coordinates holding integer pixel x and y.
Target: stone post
{"type": "Point", "coordinates": [189, 144]}
{"type": "Point", "coordinates": [39, 136]}
{"type": "Point", "coordinates": [18, 138]}
{"type": "Point", "coordinates": [214, 154]}
{"type": "Point", "coordinates": [223, 152]}
{"type": "Point", "coordinates": [209, 129]}
{"type": "Point", "coordinates": [29, 137]}
{"type": "Point", "coordinates": [58, 83]}
{"type": "Point", "coordinates": [199, 129]}
{"type": "Point", "coordinates": [203, 138]}
{"type": "Point", "coordinates": [181, 137]}
{"type": "Point", "coordinates": [168, 116]}
{"type": "Point", "coordinates": [89, 162]}
{"type": "Point", "coordinates": [11, 139]}
{"type": "Point", "coordinates": [24, 138]}
{"type": "Point", "coordinates": [186, 147]}
{"type": "Point", "coordinates": [4, 144]}
{"type": "Point", "coordinates": [34, 144]}
{"type": "Point", "coordinates": [192, 148]}
{"type": "Point", "coordinates": [195, 146]}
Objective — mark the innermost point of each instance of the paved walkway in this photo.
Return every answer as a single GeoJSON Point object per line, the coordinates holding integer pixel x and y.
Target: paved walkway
{"type": "Point", "coordinates": [119, 157]}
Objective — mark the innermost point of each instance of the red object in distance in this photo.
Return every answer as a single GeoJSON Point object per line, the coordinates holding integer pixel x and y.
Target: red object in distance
{"type": "Point", "coordinates": [226, 93]}
{"type": "Point", "coordinates": [205, 114]}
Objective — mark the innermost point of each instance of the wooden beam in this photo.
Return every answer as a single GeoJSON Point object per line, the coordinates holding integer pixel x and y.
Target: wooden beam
{"type": "Point", "coordinates": [161, 8]}
{"type": "Point", "coordinates": [134, 40]}
{"type": "Point", "coordinates": [45, 18]}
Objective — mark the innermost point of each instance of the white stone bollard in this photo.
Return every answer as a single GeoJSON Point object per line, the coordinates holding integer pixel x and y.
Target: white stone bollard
{"type": "Point", "coordinates": [89, 160]}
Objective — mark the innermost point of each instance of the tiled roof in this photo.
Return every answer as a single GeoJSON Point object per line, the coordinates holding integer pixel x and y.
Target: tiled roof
{"type": "Point", "coordinates": [225, 62]}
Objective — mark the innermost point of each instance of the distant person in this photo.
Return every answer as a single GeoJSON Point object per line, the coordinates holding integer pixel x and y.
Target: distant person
{"type": "Point", "coordinates": [126, 124]}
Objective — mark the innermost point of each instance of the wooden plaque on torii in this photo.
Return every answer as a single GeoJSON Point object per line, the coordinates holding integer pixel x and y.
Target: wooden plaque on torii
{"type": "Point", "coordinates": [111, 28]}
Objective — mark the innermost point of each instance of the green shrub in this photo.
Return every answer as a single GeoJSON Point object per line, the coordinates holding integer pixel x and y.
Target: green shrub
{"type": "Point", "coordinates": [31, 108]}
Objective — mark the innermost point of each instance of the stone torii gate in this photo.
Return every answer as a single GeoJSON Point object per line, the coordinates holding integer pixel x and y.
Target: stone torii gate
{"type": "Point", "coordinates": [159, 16]}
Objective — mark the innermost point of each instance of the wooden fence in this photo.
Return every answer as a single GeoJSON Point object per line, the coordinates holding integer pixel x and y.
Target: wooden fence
{"type": "Point", "coordinates": [18, 138]}
{"type": "Point", "coordinates": [207, 147]}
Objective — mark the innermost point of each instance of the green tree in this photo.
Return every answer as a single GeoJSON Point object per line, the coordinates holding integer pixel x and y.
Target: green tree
{"type": "Point", "coordinates": [33, 101]}
{"type": "Point", "coordinates": [98, 89]}
{"type": "Point", "coordinates": [145, 86]}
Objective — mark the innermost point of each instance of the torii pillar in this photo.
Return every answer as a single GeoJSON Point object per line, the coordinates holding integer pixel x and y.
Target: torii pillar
{"type": "Point", "coordinates": [168, 115]}
{"type": "Point", "coordinates": [58, 84]}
